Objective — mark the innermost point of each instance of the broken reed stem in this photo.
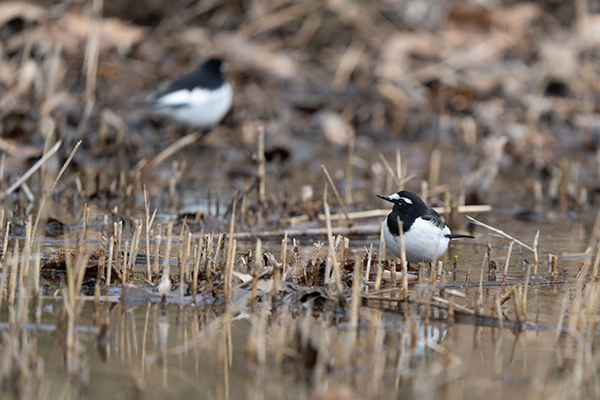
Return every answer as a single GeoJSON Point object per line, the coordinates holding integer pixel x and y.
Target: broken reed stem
{"type": "Point", "coordinates": [489, 255]}
{"type": "Point", "coordinates": [111, 248]}
{"type": "Point", "coordinates": [525, 289]}
{"type": "Point", "coordinates": [502, 233]}
{"type": "Point", "coordinates": [470, 267]}
{"type": "Point", "coordinates": [147, 166]}
{"type": "Point", "coordinates": [149, 223]}
{"type": "Point", "coordinates": [230, 254]}
{"type": "Point", "coordinates": [31, 170]}
{"type": "Point", "coordinates": [64, 167]}
{"type": "Point", "coordinates": [198, 252]}
{"type": "Point", "coordinates": [12, 283]}
{"type": "Point", "coordinates": [332, 258]}
{"type": "Point", "coordinates": [505, 274]}
{"type": "Point", "coordinates": [157, 242]}
{"type": "Point", "coordinates": [368, 266]}
{"type": "Point", "coordinates": [337, 195]}
{"type": "Point", "coordinates": [596, 262]}
{"type": "Point", "coordinates": [278, 269]}
{"type": "Point", "coordinates": [480, 309]}
{"type": "Point", "coordinates": [535, 251]}
{"type": "Point", "coordinates": [255, 271]}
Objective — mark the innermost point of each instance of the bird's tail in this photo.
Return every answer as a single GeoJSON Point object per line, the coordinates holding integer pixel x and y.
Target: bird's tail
{"type": "Point", "coordinates": [453, 236]}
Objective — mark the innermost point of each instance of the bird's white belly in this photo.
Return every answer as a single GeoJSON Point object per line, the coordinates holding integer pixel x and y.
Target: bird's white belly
{"type": "Point", "coordinates": [420, 242]}
{"type": "Point", "coordinates": [199, 108]}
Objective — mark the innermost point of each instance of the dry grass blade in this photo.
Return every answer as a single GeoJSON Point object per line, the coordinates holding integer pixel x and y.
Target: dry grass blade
{"type": "Point", "coordinates": [502, 233]}
{"type": "Point", "coordinates": [336, 193]}
{"type": "Point", "coordinates": [142, 166]}
{"type": "Point", "coordinates": [31, 170]}
{"type": "Point", "coordinates": [64, 167]}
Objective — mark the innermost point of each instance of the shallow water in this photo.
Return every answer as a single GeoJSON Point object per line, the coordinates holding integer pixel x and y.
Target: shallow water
{"type": "Point", "coordinates": [293, 353]}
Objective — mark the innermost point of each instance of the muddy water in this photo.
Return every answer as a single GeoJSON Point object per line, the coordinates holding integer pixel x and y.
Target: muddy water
{"type": "Point", "coordinates": [199, 352]}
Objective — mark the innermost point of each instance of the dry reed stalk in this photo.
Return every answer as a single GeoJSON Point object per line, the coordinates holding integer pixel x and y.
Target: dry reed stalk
{"type": "Point", "coordinates": [507, 295]}
{"type": "Point", "coordinates": [451, 309]}
{"type": "Point", "coordinates": [31, 170]}
{"type": "Point", "coordinates": [349, 169]}
{"type": "Point", "coordinates": [37, 303]}
{"type": "Point", "coordinates": [209, 261]}
{"type": "Point", "coordinates": [255, 270]}
{"type": "Point", "coordinates": [278, 268]}
{"type": "Point", "coordinates": [329, 262]}
{"type": "Point", "coordinates": [337, 196]}
{"type": "Point", "coordinates": [469, 268]}
{"type": "Point", "coordinates": [5, 243]}
{"type": "Point", "coordinates": [12, 283]}
{"type": "Point", "coordinates": [454, 267]}
{"type": "Point", "coordinates": [118, 231]}
{"type": "Point", "coordinates": [158, 242]}
{"type": "Point", "coordinates": [506, 265]}
{"type": "Point", "coordinates": [24, 264]}
{"type": "Point", "coordinates": [149, 222]}
{"type": "Point", "coordinates": [502, 233]}
{"type": "Point", "coordinates": [368, 265]}
{"type": "Point", "coordinates": [199, 250]}
{"type": "Point", "coordinates": [64, 167]}
{"type": "Point", "coordinates": [480, 309]}
{"type": "Point", "coordinates": [183, 260]}
{"type": "Point", "coordinates": [146, 166]}
{"type": "Point", "coordinates": [489, 255]}
{"type": "Point", "coordinates": [535, 251]}
{"type": "Point", "coordinates": [525, 289]}
{"type": "Point", "coordinates": [518, 298]}
{"type": "Point", "coordinates": [165, 282]}
{"type": "Point", "coordinates": [111, 248]}
{"type": "Point", "coordinates": [261, 167]}
{"type": "Point", "coordinates": [596, 262]}
{"type": "Point", "coordinates": [230, 255]}
{"type": "Point", "coordinates": [554, 267]}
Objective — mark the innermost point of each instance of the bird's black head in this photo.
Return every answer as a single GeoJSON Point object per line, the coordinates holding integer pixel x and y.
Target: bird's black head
{"type": "Point", "coordinates": [214, 66]}
{"type": "Point", "coordinates": [407, 206]}
{"type": "Point", "coordinates": [405, 201]}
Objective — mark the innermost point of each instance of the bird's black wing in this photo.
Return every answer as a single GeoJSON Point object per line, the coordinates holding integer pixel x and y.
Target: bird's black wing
{"type": "Point", "coordinates": [434, 218]}
{"type": "Point", "coordinates": [203, 79]}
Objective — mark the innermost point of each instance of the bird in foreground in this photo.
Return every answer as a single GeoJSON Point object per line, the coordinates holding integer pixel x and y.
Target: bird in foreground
{"type": "Point", "coordinates": [199, 99]}
{"type": "Point", "coordinates": [426, 237]}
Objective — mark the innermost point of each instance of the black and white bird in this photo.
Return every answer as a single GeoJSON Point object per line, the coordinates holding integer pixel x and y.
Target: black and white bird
{"type": "Point", "coordinates": [426, 237]}
{"type": "Point", "coordinates": [199, 99]}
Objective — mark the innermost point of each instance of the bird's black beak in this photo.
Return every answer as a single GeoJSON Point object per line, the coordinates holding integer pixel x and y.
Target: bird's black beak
{"type": "Point", "coordinates": [386, 198]}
